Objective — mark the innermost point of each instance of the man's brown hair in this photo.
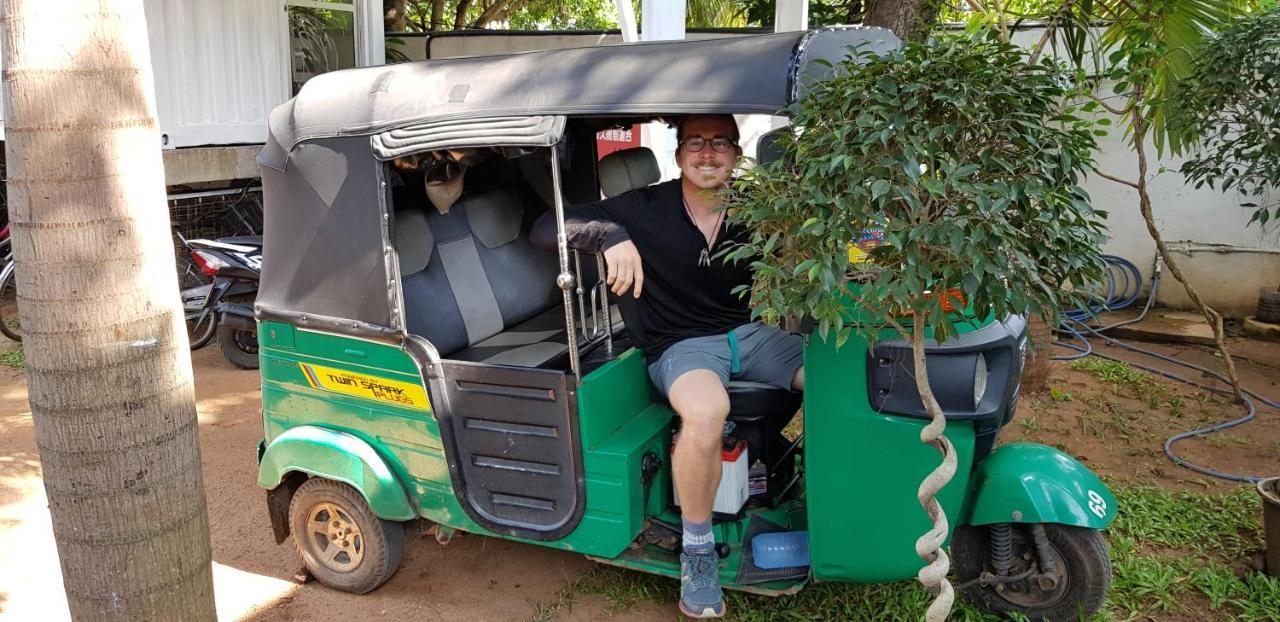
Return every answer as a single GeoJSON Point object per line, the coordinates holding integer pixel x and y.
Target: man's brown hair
{"type": "Point", "coordinates": [728, 118]}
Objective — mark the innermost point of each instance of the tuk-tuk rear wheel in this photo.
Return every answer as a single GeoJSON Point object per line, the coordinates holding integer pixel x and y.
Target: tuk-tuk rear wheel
{"type": "Point", "coordinates": [340, 540]}
{"type": "Point", "coordinates": [1078, 583]}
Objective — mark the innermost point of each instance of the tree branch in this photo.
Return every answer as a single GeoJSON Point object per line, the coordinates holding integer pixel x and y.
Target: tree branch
{"type": "Point", "coordinates": [492, 13]}
{"type": "Point", "coordinates": [1131, 184]}
{"type": "Point", "coordinates": [1119, 112]}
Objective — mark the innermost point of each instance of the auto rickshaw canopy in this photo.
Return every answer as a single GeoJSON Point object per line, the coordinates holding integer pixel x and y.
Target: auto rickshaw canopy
{"type": "Point", "coordinates": [329, 260]}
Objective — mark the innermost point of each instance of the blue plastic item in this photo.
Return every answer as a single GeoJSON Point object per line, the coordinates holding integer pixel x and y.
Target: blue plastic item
{"type": "Point", "coordinates": [781, 549]}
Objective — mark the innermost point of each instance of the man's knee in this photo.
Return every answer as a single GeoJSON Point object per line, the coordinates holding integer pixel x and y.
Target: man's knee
{"type": "Point", "coordinates": [700, 399]}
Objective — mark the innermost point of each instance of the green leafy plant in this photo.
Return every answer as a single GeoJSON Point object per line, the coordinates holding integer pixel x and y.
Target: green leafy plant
{"type": "Point", "coordinates": [1232, 102]}
{"type": "Point", "coordinates": [1143, 50]}
{"type": "Point", "coordinates": [970, 174]}
{"type": "Point", "coordinates": [961, 158]}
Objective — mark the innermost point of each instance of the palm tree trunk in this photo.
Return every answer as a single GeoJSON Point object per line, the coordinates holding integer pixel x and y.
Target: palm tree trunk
{"type": "Point", "coordinates": [106, 351]}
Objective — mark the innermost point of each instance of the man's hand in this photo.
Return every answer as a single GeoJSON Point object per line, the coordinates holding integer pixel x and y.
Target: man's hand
{"type": "Point", "coordinates": [624, 268]}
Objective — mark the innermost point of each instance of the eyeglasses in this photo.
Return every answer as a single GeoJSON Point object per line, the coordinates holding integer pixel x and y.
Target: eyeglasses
{"type": "Point", "coordinates": [695, 144]}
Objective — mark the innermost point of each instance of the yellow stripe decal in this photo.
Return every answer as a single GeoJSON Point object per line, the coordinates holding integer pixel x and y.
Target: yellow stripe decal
{"type": "Point", "coordinates": [368, 387]}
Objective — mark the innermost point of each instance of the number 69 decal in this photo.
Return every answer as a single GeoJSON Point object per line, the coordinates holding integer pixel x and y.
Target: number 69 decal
{"type": "Point", "coordinates": [1097, 504]}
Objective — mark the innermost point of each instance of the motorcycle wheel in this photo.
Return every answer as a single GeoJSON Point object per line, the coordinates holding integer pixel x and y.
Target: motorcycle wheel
{"type": "Point", "coordinates": [201, 328]}
{"type": "Point", "coordinates": [240, 347]}
{"type": "Point", "coordinates": [9, 324]}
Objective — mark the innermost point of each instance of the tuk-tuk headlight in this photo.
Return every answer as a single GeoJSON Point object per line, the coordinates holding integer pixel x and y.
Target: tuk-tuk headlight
{"type": "Point", "coordinates": [980, 376]}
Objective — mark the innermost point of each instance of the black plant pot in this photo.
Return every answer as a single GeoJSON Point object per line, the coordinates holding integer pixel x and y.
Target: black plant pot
{"type": "Point", "coordinates": [1268, 306]}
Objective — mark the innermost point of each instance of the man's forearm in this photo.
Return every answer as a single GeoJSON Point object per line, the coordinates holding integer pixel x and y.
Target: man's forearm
{"type": "Point", "coordinates": [583, 233]}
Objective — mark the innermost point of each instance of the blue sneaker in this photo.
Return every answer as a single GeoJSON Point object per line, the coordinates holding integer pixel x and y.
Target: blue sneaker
{"type": "Point", "coordinates": [700, 594]}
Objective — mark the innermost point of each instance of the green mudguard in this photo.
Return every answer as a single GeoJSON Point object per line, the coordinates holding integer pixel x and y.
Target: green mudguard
{"type": "Point", "coordinates": [1030, 483]}
{"type": "Point", "coordinates": [339, 457]}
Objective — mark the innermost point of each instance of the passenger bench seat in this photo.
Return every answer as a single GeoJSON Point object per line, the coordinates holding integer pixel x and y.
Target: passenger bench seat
{"type": "Point", "coordinates": [475, 287]}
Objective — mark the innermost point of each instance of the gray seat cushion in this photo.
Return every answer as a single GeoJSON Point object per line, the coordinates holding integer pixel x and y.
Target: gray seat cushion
{"type": "Point", "coordinates": [412, 239]}
{"type": "Point", "coordinates": [627, 170]}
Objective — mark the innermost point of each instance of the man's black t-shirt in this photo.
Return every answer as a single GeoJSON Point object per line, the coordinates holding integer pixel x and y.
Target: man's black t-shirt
{"type": "Point", "coordinates": [682, 297]}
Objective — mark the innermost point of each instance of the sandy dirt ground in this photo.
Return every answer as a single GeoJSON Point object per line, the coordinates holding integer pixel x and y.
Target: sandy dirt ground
{"type": "Point", "coordinates": [476, 578]}
{"type": "Point", "coordinates": [473, 578]}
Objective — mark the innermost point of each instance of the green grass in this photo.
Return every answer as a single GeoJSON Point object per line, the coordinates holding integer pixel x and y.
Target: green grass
{"type": "Point", "coordinates": [1220, 525]}
{"type": "Point", "coordinates": [1124, 377]}
{"type": "Point", "coordinates": [1174, 553]}
{"type": "Point", "coordinates": [13, 358]}
{"type": "Point", "coordinates": [1114, 372]}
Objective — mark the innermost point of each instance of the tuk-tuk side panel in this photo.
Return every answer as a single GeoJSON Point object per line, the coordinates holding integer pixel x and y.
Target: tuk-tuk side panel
{"type": "Point", "coordinates": [615, 493]}
{"type": "Point", "coordinates": [862, 471]}
{"type": "Point", "coordinates": [408, 439]}
{"type": "Point", "coordinates": [611, 396]}
{"type": "Point", "coordinates": [369, 390]}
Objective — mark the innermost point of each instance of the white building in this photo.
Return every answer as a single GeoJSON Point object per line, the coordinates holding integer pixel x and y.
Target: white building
{"type": "Point", "coordinates": [221, 66]}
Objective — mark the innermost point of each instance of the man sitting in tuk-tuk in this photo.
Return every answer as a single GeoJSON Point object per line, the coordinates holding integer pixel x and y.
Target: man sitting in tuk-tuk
{"type": "Point", "coordinates": [660, 244]}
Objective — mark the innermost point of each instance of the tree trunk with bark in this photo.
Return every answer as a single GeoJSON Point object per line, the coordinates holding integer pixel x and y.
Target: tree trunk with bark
{"type": "Point", "coordinates": [108, 368]}
{"type": "Point", "coordinates": [911, 20]}
{"type": "Point", "coordinates": [437, 14]}
{"type": "Point", "coordinates": [394, 16]}
{"type": "Point", "coordinates": [460, 16]}
{"type": "Point", "coordinates": [1210, 314]}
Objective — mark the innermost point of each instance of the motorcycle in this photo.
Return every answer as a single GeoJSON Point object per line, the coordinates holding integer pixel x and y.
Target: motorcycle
{"type": "Point", "coordinates": [224, 307]}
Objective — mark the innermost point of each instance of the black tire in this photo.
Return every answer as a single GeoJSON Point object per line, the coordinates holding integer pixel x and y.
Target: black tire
{"type": "Point", "coordinates": [1080, 553]}
{"type": "Point", "coordinates": [240, 347]}
{"type": "Point", "coordinates": [9, 324]}
{"type": "Point", "coordinates": [356, 551]}
{"type": "Point", "coordinates": [1268, 307]}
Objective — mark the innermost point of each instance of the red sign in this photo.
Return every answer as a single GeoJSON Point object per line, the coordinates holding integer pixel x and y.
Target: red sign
{"type": "Point", "coordinates": [617, 139]}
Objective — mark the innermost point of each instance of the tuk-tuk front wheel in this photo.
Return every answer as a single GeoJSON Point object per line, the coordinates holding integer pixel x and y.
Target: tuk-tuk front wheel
{"type": "Point", "coordinates": [341, 541]}
{"type": "Point", "coordinates": [1071, 574]}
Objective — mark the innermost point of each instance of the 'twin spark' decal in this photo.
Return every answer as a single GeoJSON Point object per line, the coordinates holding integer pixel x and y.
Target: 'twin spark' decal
{"type": "Point", "coordinates": [368, 387]}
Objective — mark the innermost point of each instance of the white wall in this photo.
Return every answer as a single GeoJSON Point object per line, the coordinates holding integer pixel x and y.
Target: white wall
{"type": "Point", "coordinates": [1226, 261]}
{"type": "Point", "coordinates": [221, 65]}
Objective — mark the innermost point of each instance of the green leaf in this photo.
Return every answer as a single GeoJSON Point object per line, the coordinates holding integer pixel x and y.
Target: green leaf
{"type": "Point", "coordinates": [880, 188]}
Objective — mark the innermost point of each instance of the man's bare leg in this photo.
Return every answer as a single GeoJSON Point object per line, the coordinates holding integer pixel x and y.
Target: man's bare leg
{"type": "Point", "coordinates": [703, 404]}
{"type": "Point", "coordinates": [700, 399]}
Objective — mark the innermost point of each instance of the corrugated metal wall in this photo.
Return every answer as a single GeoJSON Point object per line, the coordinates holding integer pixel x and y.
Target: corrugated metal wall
{"type": "Point", "coordinates": [219, 68]}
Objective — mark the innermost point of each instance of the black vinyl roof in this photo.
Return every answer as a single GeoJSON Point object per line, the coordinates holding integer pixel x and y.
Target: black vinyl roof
{"type": "Point", "coordinates": [749, 74]}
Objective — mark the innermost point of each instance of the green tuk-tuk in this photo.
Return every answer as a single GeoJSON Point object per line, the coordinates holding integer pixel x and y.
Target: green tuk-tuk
{"type": "Point", "coordinates": [429, 366]}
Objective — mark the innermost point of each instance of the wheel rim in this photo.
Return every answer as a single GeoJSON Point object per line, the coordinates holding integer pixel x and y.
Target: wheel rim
{"type": "Point", "coordinates": [246, 340]}
{"type": "Point", "coordinates": [1036, 593]}
{"type": "Point", "coordinates": [334, 537]}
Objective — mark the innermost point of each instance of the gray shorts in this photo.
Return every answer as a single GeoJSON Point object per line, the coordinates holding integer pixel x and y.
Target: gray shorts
{"type": "Point", "coordinates": [764, 354]}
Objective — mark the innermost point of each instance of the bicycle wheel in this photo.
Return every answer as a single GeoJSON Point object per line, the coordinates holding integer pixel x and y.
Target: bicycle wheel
{"type": "Point", "coordinates": [9, 323]}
